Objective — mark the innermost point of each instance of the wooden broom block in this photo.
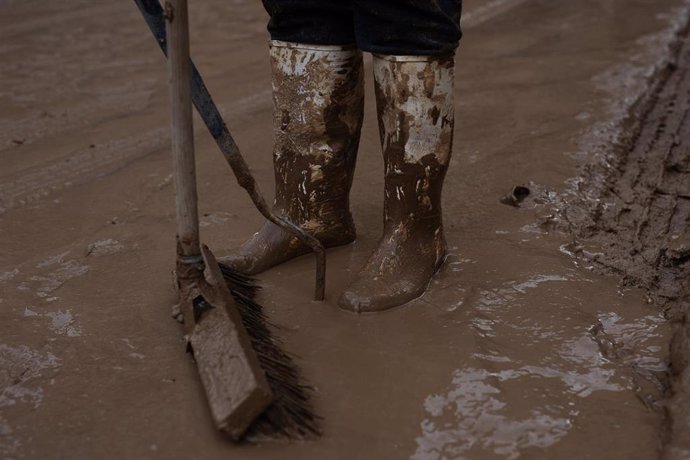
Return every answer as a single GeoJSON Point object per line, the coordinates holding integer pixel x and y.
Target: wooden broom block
{"type": "Point", "coordinates": [235, 383]}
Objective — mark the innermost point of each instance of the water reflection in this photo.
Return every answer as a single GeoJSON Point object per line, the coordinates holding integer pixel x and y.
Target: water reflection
{"type": "Point", "coordinates": [535, 368]}
{"type": "Point", "coordinates": [472, 415]}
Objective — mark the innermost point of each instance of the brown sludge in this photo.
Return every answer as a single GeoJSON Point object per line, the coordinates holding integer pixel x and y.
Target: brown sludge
{"type": "Point", "coordinates": [517, 350]}
{"type": "Point", "coordinates": [636, 220]}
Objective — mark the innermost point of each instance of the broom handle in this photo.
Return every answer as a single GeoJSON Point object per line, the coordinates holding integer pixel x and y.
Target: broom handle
{"type": "Point", "coordinates": [182, 131]}
{"type": "Point", "coordinates": [153, 15]}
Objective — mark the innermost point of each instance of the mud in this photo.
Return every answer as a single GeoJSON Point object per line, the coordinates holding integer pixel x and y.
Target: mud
{"type": "Point", "coordinates": [631, 217]}
{"type": "Point", "coordinates": [517, 350]}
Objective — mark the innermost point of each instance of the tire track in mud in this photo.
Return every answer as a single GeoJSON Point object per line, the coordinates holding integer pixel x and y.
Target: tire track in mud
{"type": "Point", "coordinates": [632, 217]}
{"type": "Point", "coordinates": [79, 116]}
{"type": "Point", "coordinates": [30, 185]}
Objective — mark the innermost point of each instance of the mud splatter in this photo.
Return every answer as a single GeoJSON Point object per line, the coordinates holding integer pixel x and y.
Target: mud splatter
{"type": "Point", "coordinates": [104, 247]}
{"type": "Point", "coordinates": [64, 323]}
{"type": "Point", "coordinates": [215, 218]}
{"type": "Point", "coordinates": [20, 369]}
{"type": "Point", "coordinates": [59, 271]}
{"type": "Point", "coordinates": [6, 276]}
{"type": "Point", "coordinates": [61, 322]}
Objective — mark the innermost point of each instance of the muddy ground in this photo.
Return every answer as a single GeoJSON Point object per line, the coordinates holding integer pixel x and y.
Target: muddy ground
{"type": "Point", "coordinates": [528, 344]}
{"type": "Point", "coordinates": [629, 215]}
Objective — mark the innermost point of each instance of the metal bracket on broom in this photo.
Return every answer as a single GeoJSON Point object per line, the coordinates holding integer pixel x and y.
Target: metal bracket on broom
{"type": "Point", "coordinates": [155, 19]}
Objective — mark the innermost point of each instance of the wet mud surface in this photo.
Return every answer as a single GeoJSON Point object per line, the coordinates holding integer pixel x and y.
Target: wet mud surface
{"type": "Point", "coordinates": [631, 217]}
{"type": "Point", "coordinates": [521, 348]}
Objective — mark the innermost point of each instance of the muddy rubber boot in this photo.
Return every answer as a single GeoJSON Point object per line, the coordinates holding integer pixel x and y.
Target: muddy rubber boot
{"type": "Point", "coordinates": [318, 98]}
{"type": "Point", "coordinates": [414, 98]}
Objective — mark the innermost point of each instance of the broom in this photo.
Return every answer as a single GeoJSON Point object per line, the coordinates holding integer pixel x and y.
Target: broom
{"type": "Point", "coordinates": [252, 385]}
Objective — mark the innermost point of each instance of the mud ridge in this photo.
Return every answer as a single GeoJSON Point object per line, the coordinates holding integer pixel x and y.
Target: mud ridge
{"type": "Point", "coordinates": [630, 215]}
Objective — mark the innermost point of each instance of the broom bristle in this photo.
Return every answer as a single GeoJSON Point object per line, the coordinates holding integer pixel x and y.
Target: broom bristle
{"type": "Point", "coordinates": [291, 414]}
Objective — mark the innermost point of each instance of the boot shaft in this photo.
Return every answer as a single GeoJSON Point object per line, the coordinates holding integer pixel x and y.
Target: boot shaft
{"type": "Point", "coordinates": [318, 97]}
{"type": "Point", "coordinates": [414, 100]}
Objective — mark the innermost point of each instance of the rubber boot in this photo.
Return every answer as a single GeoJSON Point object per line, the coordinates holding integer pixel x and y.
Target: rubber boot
{"type": "Point", "coordinates": [318, 98]}
{"type": "Point", "coordinates": [414, 98]}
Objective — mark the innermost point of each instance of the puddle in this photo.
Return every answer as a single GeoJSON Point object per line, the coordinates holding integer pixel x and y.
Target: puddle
{"type": "Point", "coordinates": [542, 358]}
{"type": "Point", "coordinates": [472, 415]}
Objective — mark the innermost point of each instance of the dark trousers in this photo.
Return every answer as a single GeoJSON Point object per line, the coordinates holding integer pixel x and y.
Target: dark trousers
{"type": "Point", "coordinates": [398, 27]}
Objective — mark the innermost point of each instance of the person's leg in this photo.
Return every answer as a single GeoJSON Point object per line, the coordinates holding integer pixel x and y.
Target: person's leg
{"type": "Point", "coordinates": [314, 22]}
{"type": "Point", "coordinates": [413, 71]}
{"type": "Point", "coordinates": [318, 99]}
{"type": "Point", "coordinates": [407, 27]}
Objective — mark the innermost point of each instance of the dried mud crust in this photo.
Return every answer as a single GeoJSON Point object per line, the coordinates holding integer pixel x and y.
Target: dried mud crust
{"type": "Point", "coordinates": [631, 216]}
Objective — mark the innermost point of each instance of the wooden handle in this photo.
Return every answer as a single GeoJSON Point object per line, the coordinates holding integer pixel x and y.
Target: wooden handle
{"type": "Point", "coordinates": [182, 131]}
